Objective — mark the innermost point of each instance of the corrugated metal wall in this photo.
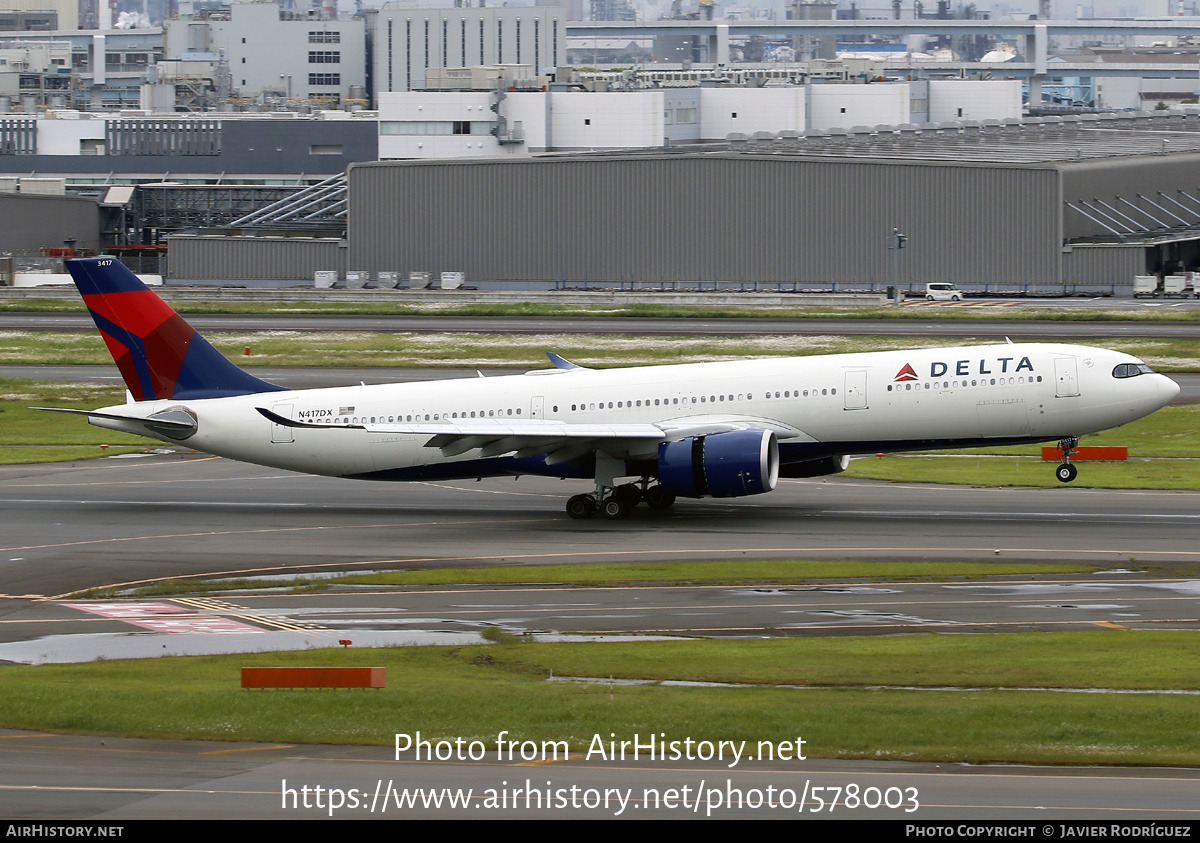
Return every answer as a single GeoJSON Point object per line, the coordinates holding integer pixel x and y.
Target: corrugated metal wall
{"type": "Point", "coordinates": [1149, 175]}
{"type": "Point", "coordinates": [218, 258]}
{"type": "Point", "coordinates": [716, 216]}
{"type": "Point", "coordinates": [1104, 264]}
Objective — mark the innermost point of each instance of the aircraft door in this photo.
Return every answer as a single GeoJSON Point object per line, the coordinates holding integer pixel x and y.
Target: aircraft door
{"type": "Point", "coordinates": [856, 390]}
{"type": "Point", "coordinates": [1066, 376]}
{"type": "Point", "coordinates": [281, 433]}
{"type": "Point", "coordinates": [537, 407]}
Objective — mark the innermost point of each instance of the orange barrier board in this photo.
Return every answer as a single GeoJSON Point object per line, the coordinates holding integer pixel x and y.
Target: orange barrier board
{"type": "Point", "coordinates": [1088, 452]}
{"type": "Point", "coordinates": [313, 677]}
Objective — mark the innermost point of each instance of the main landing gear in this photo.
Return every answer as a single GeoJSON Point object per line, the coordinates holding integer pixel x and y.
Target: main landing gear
{"type": "Point", "coordinates": [1065, 471]}
{"type": "Point", "coordinates": [616, 502]}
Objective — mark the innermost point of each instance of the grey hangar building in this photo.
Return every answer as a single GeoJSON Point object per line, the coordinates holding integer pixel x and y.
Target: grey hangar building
{"type": "Point", "coordinates": [1080, 201]}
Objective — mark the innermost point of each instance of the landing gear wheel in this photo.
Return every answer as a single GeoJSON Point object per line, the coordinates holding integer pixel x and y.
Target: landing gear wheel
{"type": "Point", "coordinates": [581, 506]}
{"type": "Point", "coordinates": [1066, 473]}
{"type": "Point", "coordinates": [659, 498]}
{"type": "Point", "coordinates": [615, 507]}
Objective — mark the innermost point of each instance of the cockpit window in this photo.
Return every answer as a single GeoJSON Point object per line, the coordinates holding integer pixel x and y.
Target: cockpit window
{"type": "Point", "coordinates": [1131, 370]}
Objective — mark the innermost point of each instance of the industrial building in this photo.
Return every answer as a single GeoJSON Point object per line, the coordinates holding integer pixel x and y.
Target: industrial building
{"type": "Point", "coordinates": [260, 52]}
{"type": "Point", "coordinates": [180, 171]}
{"type": "Point", "coordinates": [405, 42]}
{"type": "Point", "coordinates": [1013, 205]}
{"type": "Point", "coordinates": [446, 124]}
{"type": "Point", "coordinates": [136, 146]}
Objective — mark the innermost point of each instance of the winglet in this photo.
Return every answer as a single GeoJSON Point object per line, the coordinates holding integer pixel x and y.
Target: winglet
{"type": "Point", "coordinates": [561, 362]}
{"type": "Point", "coordinates": [158, 353]}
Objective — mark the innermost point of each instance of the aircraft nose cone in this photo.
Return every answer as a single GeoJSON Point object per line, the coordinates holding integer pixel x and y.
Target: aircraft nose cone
{"type": "Point", "coordinates": [1168, 390]}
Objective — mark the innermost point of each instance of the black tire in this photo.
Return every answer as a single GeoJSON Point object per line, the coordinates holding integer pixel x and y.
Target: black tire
{"type": "Point", "coordinates": [615, 508]}
{"type": "Point", "coordinates": [1066, 473]}
{"type": "Point", "coordinates": [581, 506]}
{"type": "Point", "coordinates": [659, 498]}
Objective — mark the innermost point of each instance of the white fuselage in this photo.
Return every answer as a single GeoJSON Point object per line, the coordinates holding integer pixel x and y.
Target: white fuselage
{"type": "Point", "coordinates": [828, 405]}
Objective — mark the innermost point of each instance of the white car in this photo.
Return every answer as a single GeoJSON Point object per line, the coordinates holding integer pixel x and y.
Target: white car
{"type": "Point", "coordinates": [942, 292]}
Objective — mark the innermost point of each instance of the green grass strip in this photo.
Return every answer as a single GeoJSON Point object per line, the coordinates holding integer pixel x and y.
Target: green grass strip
{"type": "Point", "coordinates": [475, 692]}
{"type": "Point", "coordinates": [648, 310]}
{"type": "Point", "coordinates": [34, 436]}
{"type": "Point", "coordinates": [1031, 472]}
{"type": "Point", "coordinates": [60, 453]}
{"type": "Point", "coordinates": [712, 573]}
{"type": "Point", "coordinates": [368, 349]}
{"type": "Point", "coordinates": [742, 572]}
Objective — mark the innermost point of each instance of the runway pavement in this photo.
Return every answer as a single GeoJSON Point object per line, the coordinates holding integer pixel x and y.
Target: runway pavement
{"type": "Point", "coordinates": [69, 630]}
{"type": "Point", "coordinates": [60, 777]}
{"type": "Point", "coordinates": [114, 521]}
{"type": "Point", "coordinates": [125, 521]}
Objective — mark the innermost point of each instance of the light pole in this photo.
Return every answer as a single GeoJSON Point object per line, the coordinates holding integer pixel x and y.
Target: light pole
{"type": "Point", "coordinates": [896, 242]}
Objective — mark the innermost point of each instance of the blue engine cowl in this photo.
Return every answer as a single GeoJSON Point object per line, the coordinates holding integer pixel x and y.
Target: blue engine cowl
{"type": "Point", "coordinates": [720, 465]}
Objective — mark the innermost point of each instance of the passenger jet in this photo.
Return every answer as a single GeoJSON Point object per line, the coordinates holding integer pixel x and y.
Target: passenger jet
{"type": "Point", "coordinates": [724, 429]}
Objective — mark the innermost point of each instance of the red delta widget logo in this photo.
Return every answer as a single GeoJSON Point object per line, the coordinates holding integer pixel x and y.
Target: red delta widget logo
{"type": "Point", "coordinates": [995, 366]}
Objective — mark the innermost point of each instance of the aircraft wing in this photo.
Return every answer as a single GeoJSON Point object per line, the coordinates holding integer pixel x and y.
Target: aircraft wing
{"type": "Point", "coordinates": [559, 441]}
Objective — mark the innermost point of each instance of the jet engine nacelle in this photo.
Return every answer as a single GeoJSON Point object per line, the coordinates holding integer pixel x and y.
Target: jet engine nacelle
{"type": "Point", "coordinates": [720, 465]}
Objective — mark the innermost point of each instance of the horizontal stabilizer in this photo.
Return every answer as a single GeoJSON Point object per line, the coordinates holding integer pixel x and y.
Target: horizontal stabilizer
{"type": "Point", "coordinates": [174, 424]}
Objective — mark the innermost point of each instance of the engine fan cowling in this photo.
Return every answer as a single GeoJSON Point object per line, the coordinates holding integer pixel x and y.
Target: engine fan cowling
{"type": "Point", "coordinates": [720, 465]}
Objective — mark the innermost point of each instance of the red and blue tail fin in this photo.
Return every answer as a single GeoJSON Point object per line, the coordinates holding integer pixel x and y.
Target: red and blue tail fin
{"type": "Point", "coordinates": [158, 353]}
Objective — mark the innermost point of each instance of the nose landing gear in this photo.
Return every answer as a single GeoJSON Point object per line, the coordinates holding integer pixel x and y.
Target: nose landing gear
{"type": "Point", "coordinates": [1065, 471]}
